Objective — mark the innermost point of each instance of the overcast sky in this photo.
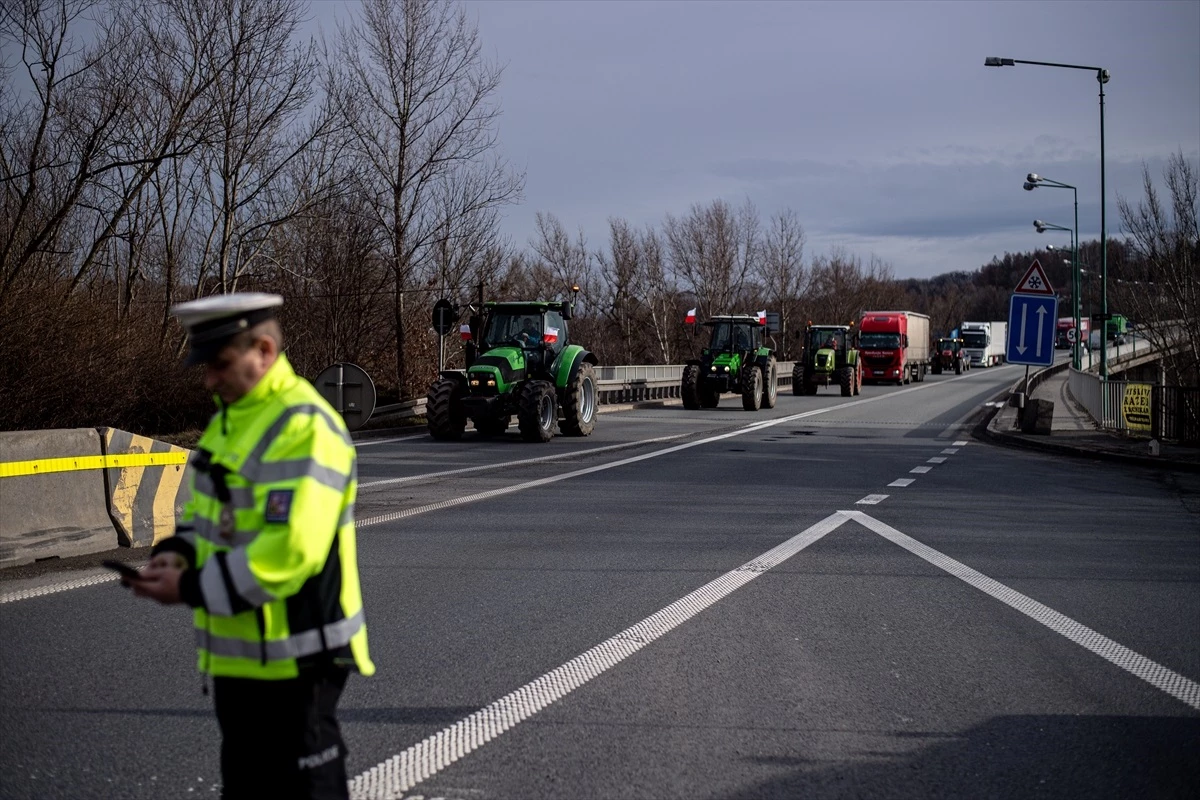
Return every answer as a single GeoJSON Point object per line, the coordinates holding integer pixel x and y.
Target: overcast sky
{"type": "Point", "coordinates": [876, 122]}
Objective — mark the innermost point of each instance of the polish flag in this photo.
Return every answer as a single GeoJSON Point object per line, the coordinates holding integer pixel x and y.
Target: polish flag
{"type": "Point", "coordinates": [465, 332]}
{"type": "Point", "coordinates": [550, 336]}
{"type": "Point", "coordinates": [690, 319]}
{"type": "Point", "coordinates": [762, 317]}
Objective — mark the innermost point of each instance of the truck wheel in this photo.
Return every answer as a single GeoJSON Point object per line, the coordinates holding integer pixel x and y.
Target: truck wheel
{"type": "Point", "coordinates": [752, 387]}
{"type": "Point", "coordinates": [443, 410]}
{"type": "Point", "coordinates": [798, 387]}
{"type": "Point", "coordinates": [537, 413]}
{"type": "Point", "coordinates": [770, 384]}
{"type": "Point", "coordinates": [846, 381]}
{"type": "Point", "coordinates": [579, 403]}
{"type": "Point", "coordinates": [492, 426]}
{"type": "Point", "coordinates": [689, 387]}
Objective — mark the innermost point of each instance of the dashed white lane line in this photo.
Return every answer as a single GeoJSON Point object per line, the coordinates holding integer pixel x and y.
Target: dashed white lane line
{"type": "Point", "coordinates": [1153, 673]}
{"type": "Point", "coordinates": [949, 451]}
{"type": "Point", "coordinates": [920, 470]}
{"type": "Point", "coordinates": [903, 482]}
{"type": "Point", "coordinates": [936, 460]}
{"type": "Point", "coordinates": [392, 778]}
{"type": "Point", "coordinates": [960, 444]}
{"type": "Point", "coordinates": [872, 500]}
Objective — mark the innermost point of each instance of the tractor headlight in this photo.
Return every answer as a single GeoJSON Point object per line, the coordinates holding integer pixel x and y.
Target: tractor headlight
{"type": "Point", "coordinates": [713, 368]}
{"type": "Point", "coordinates": [475, 381]}
{"type": "Point", "coordinates": [727, 369]}
{"type": "Point", "coordinates": [491, 382]}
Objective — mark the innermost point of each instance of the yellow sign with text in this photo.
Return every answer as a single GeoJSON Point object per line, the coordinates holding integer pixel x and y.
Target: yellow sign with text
{"type": "Point", "coordinates": [1135, 406]}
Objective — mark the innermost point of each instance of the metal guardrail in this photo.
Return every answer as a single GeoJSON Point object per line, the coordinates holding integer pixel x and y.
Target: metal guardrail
{"type": "Point", "coordinates": [614, 385]}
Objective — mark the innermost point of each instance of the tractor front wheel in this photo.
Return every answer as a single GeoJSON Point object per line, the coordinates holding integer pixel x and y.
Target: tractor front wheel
{"type": "Point", "coordinates": [689, 387]}
{"type": "Point", "coordinates": [798, 379]}
{"type": "Point", "coordinates": [752, 387]}
{"type": "Point", "coordinates": [537, 413]}
{"type": "Point", "coordinates": [846, 381]}
{"type": "Point", "coordinates": [770, 384]}
{"type": "Point", "coordinates": [443, 410]}
{"type": "Point", "coordinates": [579, 403]}
{"type": "Point", "coordinates": [710, 397]}
{"type": "Point", "coordinates": [858, 378]}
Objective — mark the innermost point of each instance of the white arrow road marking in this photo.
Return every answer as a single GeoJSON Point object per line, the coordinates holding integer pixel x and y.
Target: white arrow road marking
{"type": "Point", "coordinates": [1183, 689]}
{"type": "Point", "coordinates": [1041, 326]}
{"type": "Point", "coordinates": [1021, 343]}
{"type": "Point", "coordinates": [390, 779]}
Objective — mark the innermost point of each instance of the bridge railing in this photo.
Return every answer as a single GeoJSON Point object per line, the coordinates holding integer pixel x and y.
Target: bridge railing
{"type": "Point", "coordinates": [637, 383]}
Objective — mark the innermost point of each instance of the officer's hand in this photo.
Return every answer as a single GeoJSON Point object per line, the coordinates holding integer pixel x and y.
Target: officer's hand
{"type": "Point", "coordinates": [160, 580]}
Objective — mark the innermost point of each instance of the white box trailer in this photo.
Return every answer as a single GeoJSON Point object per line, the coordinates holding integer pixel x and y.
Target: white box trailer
{"type": "Point", "coordinates": [985, 342]}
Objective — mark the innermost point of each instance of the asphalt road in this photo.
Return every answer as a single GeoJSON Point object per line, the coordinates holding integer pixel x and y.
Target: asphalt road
{"type": "Point", "coordinates": [841, 597]}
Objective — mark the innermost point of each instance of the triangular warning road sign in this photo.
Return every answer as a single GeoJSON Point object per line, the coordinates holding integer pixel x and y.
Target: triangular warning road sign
{"type": "Point", "coordinates": [1035, 281]}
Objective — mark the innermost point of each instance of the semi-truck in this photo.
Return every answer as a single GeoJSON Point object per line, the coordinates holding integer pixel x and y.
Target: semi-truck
{"type": "Point", "coordinates": [1062, 332]}
{"type": "Point", "coordinates": [985, 342]}
{"type": "Point", "coordinates": [894, 346]}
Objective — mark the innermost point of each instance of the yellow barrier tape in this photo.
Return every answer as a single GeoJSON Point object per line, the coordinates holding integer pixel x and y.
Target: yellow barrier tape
{"type": "Point", "coordinates": [43, 466]}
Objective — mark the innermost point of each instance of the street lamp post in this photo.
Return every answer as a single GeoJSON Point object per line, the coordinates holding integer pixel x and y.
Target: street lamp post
{"type": "Point", "coordinates": [1031, 182]}
{"type": "Point", "coordinates": [1102, 76]}
{"type": "Point", "coordinates": [1042, 227]}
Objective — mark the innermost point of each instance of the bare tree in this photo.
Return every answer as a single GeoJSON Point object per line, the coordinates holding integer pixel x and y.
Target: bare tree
{"type": "Point", "coordinates": [1162, 291]}
{"type": "Point", "coordinates": [712, 250]}
{"type": "Point", "coordinates": [411, 81]}
{"type": "Point", "coordinates": [621, 287]}
{"type": "Point", "coordinates": [781, 268]}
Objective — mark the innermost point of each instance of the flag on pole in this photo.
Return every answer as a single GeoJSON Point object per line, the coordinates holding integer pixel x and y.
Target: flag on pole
{"type": "Point", "coordinates": [550, 336]}
{"type": "Point", "coordinates": [762, 317]}
{"type": "Point", "coordinates": [690, 319]}
{"type": "Point", "coordinates": [465, 332]}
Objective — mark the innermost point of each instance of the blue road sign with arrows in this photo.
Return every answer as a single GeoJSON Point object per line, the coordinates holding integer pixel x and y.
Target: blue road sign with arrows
{"type": "Point", "coordinates": [1031, 322]}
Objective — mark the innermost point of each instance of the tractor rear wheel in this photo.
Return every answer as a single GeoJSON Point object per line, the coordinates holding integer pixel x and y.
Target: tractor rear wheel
{"type": "Point", "coordinates": [845, 377]}
{"type": "Point", "coordinates": [770, 383]}
{"type": "Point", "coordinates": [443, 410]}
{"type": "Point", "coordinates": [537, 413]}
{"type": "Point", "coordinates": [752, 387]}
{"type": "Point", "coordinates": [579, 403]}
{"type": "Point", "coordinates": [937, 367]}
{"type": "Point", "coordinates": [689, 387]}
{"type": "Point", "coordinates": [492, 426]}
{"type": "Point", "coordinates": [958, 369]}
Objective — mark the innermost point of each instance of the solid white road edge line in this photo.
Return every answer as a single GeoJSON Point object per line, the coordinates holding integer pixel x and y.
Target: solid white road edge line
{"type": "Point", "coordinates": [519, 462]}
{"type": "Point", "coordinates": [1153, 673]}
{"type": "Point", "coordinates": [392, 778]}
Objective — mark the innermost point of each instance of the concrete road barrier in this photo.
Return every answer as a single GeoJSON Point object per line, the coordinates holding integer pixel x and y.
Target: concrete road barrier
{"type": "Point", "coordinates": [52, 497]}
{"type": "Point", "coordinates": [145, 485]}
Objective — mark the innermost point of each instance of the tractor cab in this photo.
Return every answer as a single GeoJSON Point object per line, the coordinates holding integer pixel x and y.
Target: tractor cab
{"type": "Point", "coordinates": [734, 334]}
{"type": "Point", "coordinates": [531, 327]}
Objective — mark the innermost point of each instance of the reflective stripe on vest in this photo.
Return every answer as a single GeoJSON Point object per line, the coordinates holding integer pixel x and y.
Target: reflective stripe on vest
{"type": "Point", "coordinates": [219, 575]}
{"type": "Point", "coordinates": [306, 643]}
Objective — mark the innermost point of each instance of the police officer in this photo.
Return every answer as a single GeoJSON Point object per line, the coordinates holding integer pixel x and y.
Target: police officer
{"type": "Point", "coordinates": [265, 554]}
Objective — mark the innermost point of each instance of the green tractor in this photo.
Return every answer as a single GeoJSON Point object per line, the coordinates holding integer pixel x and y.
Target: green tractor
{"type": "Point", "coordinates": [734, 361]}
{"type": "Point", "coordinates": [829, 356]}
{"type": "Point", "coordinates": [520, 363]}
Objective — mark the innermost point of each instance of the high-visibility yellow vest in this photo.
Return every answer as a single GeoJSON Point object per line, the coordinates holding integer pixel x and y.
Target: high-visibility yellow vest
{"type": "Point", "coordinates": [270, 527]}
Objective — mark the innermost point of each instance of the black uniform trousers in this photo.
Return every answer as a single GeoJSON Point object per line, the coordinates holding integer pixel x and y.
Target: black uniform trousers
{"type": "Point", "coordinates": [280, 739]}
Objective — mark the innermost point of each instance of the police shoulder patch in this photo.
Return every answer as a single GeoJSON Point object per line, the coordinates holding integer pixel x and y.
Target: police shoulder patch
{"type": "Point", "coordinates": [279, 505]}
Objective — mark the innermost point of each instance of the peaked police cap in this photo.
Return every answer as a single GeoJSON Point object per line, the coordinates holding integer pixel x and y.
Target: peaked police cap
{"type": "Point", "coordinates": [212, 321]}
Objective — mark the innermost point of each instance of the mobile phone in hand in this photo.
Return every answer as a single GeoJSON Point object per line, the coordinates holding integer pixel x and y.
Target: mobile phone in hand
{"type": "Point", "coordinates": [127, 572]}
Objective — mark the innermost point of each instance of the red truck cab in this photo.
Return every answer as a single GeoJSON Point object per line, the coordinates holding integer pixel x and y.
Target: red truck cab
{"type": "Point", "coordinates": [882, 341]}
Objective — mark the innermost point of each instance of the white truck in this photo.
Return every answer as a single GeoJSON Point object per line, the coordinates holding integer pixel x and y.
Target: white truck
{"type": "Point", "coordinates": [985, 342]}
